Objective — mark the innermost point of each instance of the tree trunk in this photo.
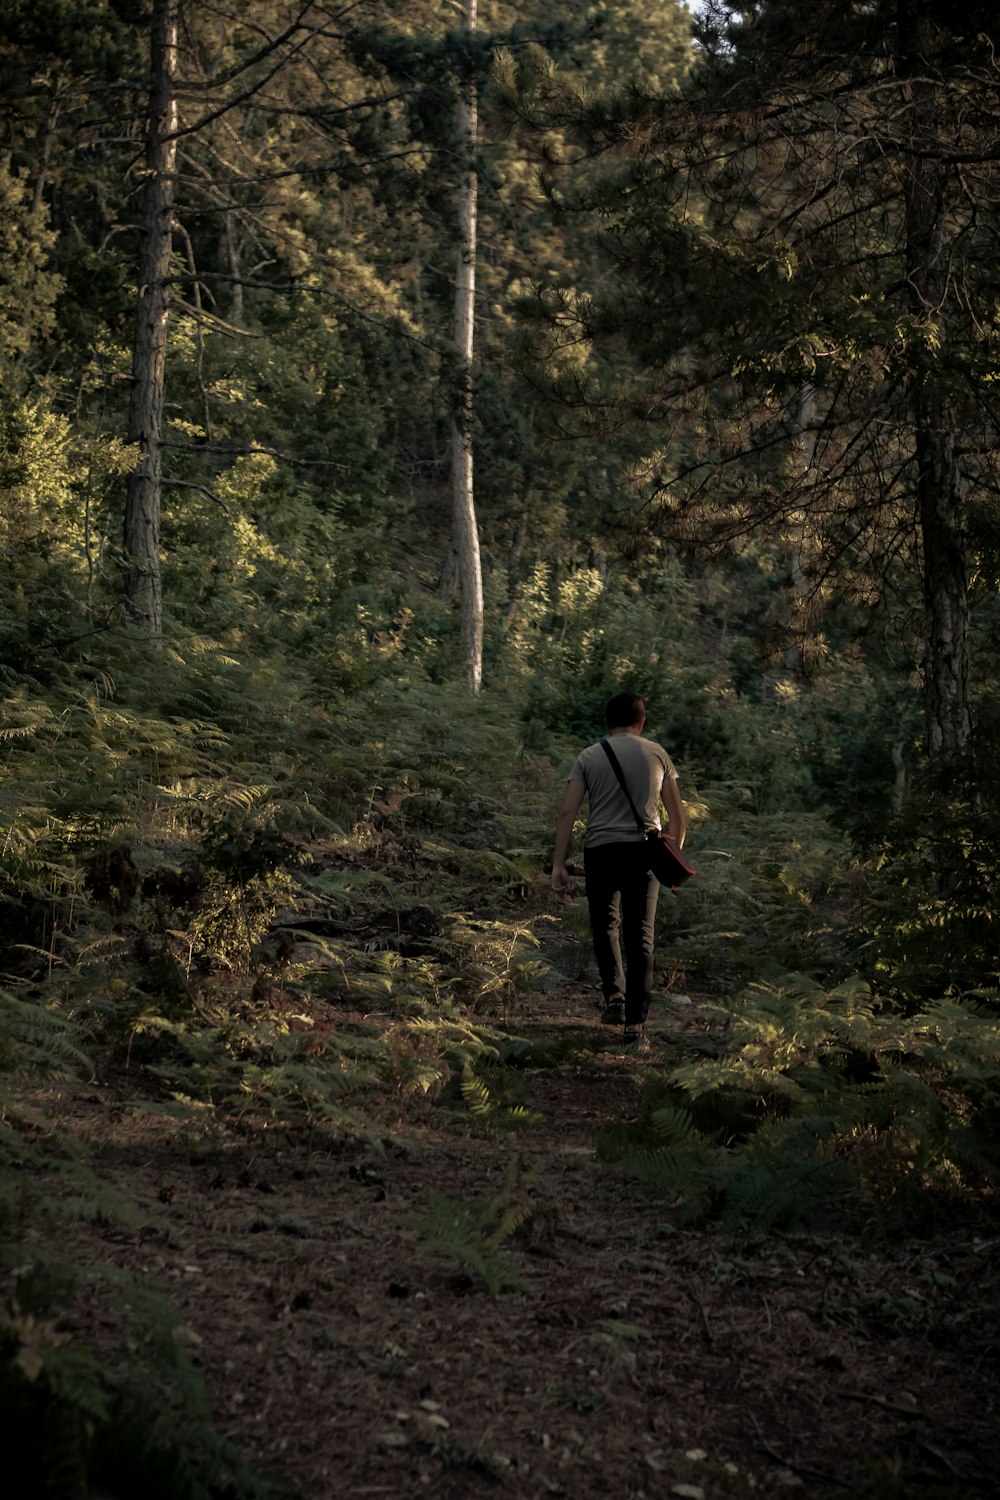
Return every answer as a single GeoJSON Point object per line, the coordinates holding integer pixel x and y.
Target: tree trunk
{"type": "Point", "coordinates": [466, 530]}
{"type": "Point", "coordinates": [229, 257]}
{"type": "Point", "coordinates": [946, 587]}
{"type": "Point", "coordinates": [939, 506]}
{"type": "Point", "coordinates": [797, 535]}
{"type": "Point", "coordinates": [143, 589]}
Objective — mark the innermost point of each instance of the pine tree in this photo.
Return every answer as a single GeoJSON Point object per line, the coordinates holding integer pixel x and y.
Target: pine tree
{"type": "Point", "coordinates": [800, 250]}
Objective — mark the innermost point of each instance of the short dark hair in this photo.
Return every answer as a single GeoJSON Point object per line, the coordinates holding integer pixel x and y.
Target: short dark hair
{"type": "Point", "coordinates": [624, 710]}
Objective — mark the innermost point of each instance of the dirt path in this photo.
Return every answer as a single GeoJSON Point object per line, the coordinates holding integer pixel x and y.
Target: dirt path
{"type": "Point", "coordinates": [638, 1361]}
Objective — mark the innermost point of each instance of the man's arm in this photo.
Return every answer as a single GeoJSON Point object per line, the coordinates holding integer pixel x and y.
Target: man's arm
{"type": "Point", "coordinates": [564, 831]}
{"type": "Point", "coordinates": [670, 796]}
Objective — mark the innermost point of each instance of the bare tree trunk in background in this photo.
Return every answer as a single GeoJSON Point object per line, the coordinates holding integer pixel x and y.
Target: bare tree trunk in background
{"type": "Point", "coordinates": [797, 537]}
{"type": "Point", "coordinates": [143, 588]}
{"type": "Point", "coordinates": [466, 530]}
{"type": "Point", "coordinates": [946, 585]}
{"type": "Point", "coordinates": [939, 501]}
{"type": "Point", "coordinates": [230, 260]}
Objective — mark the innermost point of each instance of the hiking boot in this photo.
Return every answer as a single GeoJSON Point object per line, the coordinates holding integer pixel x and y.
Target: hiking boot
{"type": "Point", "coordinates": [613, 1013]}
{"type": "Point", "coordinates": [634, 1039]}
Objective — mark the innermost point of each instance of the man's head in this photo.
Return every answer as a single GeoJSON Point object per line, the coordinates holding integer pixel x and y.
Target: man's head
{"type": "Point", "coordinates": [624, 711]}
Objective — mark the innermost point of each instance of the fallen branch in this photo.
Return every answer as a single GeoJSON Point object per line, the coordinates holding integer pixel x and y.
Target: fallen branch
{"type": "Point", "coordinates": [806, 1470]}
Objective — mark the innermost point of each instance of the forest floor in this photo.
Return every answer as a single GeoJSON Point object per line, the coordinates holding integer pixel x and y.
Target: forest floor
{"type": "Point", "coordinates": [634, 1358]}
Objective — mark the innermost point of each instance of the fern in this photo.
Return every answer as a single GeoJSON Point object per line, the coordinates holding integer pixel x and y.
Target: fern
{"type": "Point", "coordinates": [512, 1207]}
{"type": "Point", "coordinates": [72, 1426]}
{"type": "Point", "coordinates": [36, 1041]}
{"type": "Point", "coordinates": [784, 1177]}
{"type": "Point", "coordinates": [472, 1235]}
{"type": "Point", "coordinates": [818, 1102]}
{"type": "Point", "coordinates": [488, 1113]}
{"type": "Point", "coordinates": [492, 962]}
{"type": "Point", "coordinates": [663, 1152]}
{"type": "Point", "coordinates": [258, 1070]}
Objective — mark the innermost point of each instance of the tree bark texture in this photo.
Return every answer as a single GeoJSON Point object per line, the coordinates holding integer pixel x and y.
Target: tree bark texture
{"type": "Point", "coordinates": [466, 529]}
{"type": "Point", "coordinates": [938, 485]}
{"type": "Point", "coordinates": [143, 588]}
{"type": "Point", "coordinates": [945, 586]}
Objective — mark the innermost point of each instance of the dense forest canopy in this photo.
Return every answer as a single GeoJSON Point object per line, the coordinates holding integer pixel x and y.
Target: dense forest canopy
{"type": "Point", "coordinates": [356, 357]}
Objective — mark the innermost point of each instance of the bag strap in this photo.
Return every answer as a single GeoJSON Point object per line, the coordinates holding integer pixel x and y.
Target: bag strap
{"type": "Point", "coordinates": [616, 767]}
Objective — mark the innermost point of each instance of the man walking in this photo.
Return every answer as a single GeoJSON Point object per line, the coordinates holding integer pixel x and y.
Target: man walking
{"type": "Point", "coordinates": [621, 890]}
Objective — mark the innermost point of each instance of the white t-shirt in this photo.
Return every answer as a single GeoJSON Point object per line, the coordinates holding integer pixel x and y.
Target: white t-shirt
{"type": "Point", "coordinates": [644, 764]}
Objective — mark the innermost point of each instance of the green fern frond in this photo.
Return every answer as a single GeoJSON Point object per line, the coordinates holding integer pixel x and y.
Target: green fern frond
{"type": "Point", "coordinates": [512, 1218]}
{"type": "Point", "coordinates": [38, 1042]}
{"type": "Point", "coordinates": [454, 1230]}
{"type": "Point", "coordinates": [512, 1206]}
{"type": "Point", "coordinates": [673, 1126]}
{"type": "Point", "coordinates": [476, 1095]}
{"type": "Point", "coordinates": [488, 1112]}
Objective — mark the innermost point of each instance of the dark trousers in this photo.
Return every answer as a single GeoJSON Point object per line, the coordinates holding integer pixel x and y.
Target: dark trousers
{"type": "Point", "coordinates": [622, 896]}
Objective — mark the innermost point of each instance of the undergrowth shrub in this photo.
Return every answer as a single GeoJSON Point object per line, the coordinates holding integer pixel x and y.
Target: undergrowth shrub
{"type": "Point", "coordinates": [161, 837]}
{"type": "Point", "coordinates": [577, 637]}
{"type": "Point", "coordinates": [492, 964]}
{"type": "Point", "coordinates": [44, 1179]}
{"type": "Point", "coordinates": [929, 919]}
{"type": "Point", "coordinates": [37, 1046]}
{"type": "Point", "coordinates": [492, 1107]}
{"type": "Point", "coordinates": [772, 894]}
{"type": "Point", "coordinates": [253, 1070]}
{"type": "Point", "coordinates": [75, 1420]}
{"type": "Point", "coordinates": [471, 1234]}
{"type": "Point", "coordinates": [816, 1106]}
{"type": "Point", "coordinates": [74, 1423]}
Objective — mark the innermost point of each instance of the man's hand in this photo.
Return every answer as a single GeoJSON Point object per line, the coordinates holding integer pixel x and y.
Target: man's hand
{"type": "Point", "coordinates": [670, 796]}
{"type": "Point", "coordinates": [564, 828]}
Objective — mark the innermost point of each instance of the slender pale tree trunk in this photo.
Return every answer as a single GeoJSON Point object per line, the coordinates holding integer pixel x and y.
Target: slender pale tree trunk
{"type": "Point", "coordinates": [466, 530]}
{"type": "Point", "coordinates": [143, 589]}
{"type": "Point", "coordinates": [939, 502]}
{"type": "Point", "coordinates": [231, 264]}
